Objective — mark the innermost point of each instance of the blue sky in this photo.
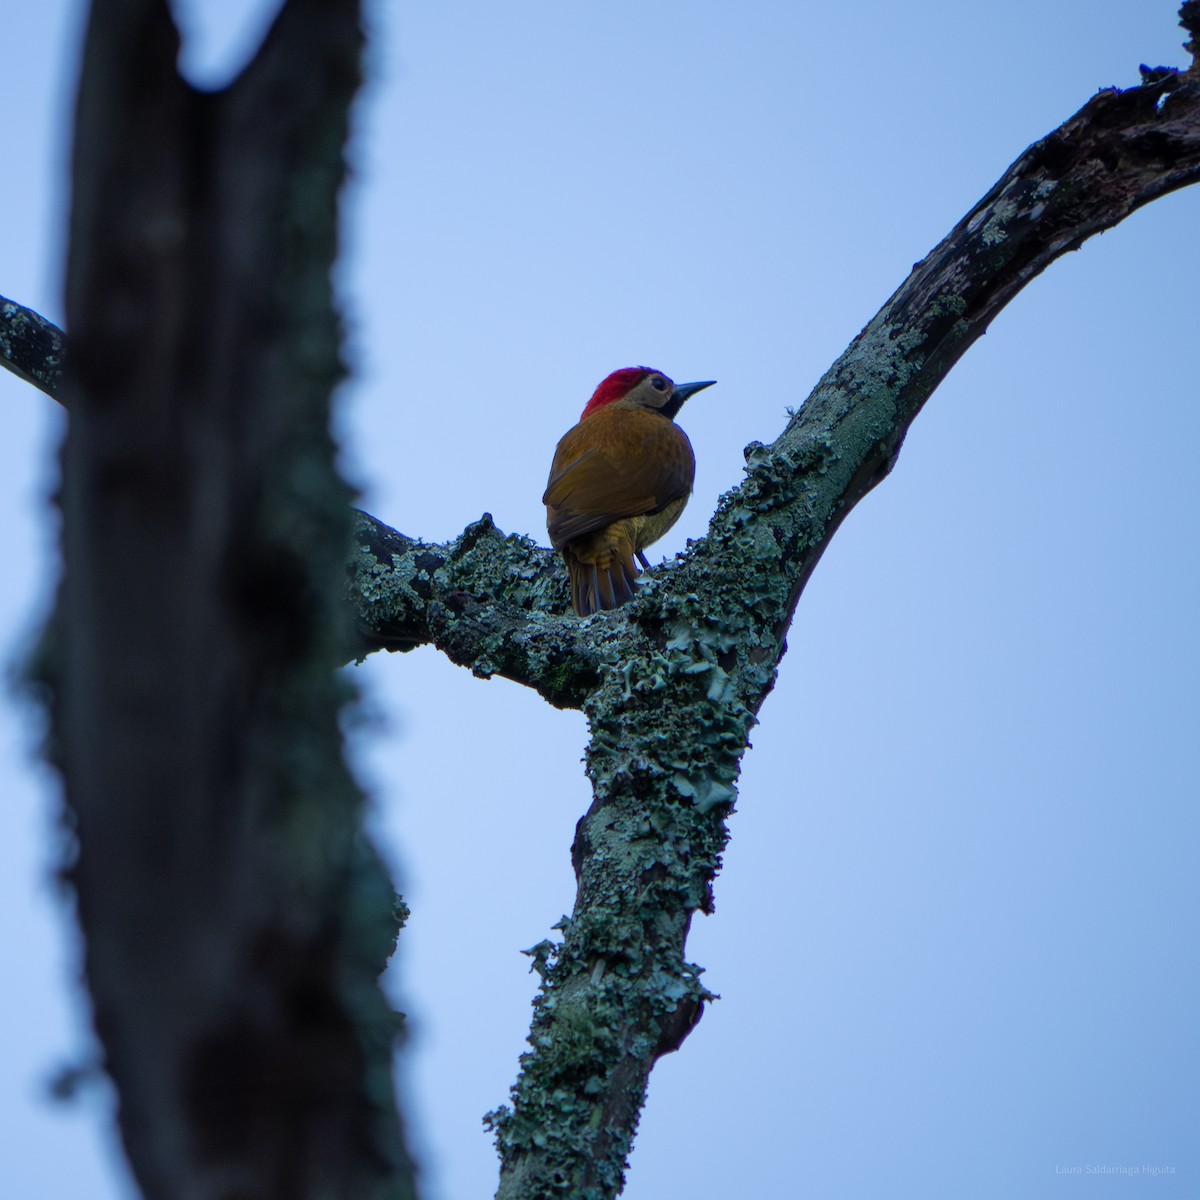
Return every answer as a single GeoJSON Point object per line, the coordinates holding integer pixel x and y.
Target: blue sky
{"type": "Point", "coordinates": [950, 937]}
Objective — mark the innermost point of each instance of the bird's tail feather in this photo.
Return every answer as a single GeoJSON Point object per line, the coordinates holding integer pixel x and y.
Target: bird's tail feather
{"type": "Point", "coordinates": [597, 589]}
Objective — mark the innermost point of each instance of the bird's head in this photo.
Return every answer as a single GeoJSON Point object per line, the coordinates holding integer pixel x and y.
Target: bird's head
{"type": "Point", "coordinates": [642, 387]}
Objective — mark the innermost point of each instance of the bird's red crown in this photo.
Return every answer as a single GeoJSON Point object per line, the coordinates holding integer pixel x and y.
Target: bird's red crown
{"type": "Point", "coordinates": [614, 386]}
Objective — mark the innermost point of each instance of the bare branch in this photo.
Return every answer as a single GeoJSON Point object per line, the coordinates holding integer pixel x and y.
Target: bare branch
{"type": "Point", "coordinates": [32, 348]}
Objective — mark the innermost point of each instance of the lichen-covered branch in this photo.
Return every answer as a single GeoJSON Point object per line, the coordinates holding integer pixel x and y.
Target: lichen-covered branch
{"type": "Point", "coordinates": [489, 602]}
{"type": "Point", "coordinates": [1119, 152]}
{"type": "Point", "coordinates": [235, 917]}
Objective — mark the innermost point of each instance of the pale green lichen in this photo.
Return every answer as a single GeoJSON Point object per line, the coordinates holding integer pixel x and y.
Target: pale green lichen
{"type": "Point", "coordinates": [994, 231]}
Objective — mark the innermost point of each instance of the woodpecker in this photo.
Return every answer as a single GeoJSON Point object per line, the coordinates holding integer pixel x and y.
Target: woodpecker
{"type": "Point", "coordinates": [619, 481]}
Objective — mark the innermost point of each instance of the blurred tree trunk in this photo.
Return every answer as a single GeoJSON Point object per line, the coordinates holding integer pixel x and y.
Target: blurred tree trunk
{"type": "Point", "coordinates": [235, 918]}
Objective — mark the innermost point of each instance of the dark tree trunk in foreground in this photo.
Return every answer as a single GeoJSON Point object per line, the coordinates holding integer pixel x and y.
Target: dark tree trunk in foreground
{"type": "Point", "coordinates": [233, 919]}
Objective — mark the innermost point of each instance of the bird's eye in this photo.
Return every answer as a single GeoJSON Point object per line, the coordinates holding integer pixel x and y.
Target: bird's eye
{"type": "Point", "coordinates": [658, 383]}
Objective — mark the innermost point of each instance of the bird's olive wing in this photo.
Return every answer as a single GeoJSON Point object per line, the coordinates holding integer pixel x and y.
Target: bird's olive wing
{"type": "Point", "coordinates": [623, 464]}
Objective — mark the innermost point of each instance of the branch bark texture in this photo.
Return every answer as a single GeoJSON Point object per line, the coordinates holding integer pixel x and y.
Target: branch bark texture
{"type": "Point", "coordinates": [235, 918]}
{"type": "Point", "coordinates": [31, 347]}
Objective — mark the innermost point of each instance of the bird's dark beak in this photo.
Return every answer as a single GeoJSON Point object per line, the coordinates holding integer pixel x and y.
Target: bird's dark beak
{"type": "Point", "coordinates": [681, 393]}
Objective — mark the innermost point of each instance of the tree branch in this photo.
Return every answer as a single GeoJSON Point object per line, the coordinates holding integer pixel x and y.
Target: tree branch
{"type": "Point", "coordinates": [489, 602]}
{"type": "Point", "coordinates": [1122, 150]}
{"type": "Point", "coordinates": [32, 348]}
